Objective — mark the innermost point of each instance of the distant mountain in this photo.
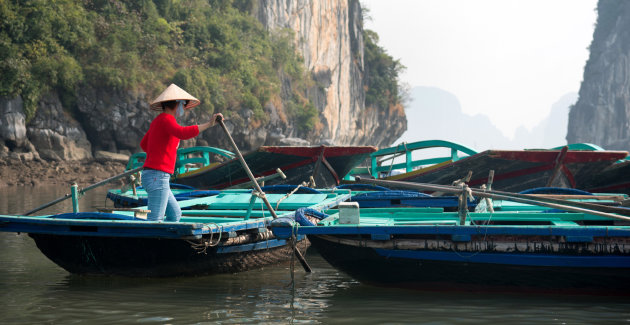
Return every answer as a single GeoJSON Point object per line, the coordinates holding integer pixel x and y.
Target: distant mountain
{"type": "Point", "coordinates": [434, 113]}
{"type": "Point", "coordinates": [552, 131]}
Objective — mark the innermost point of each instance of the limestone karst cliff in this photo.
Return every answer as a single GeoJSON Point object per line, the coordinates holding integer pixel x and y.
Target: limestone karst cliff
{"type": "Point", "coordinates": [602, 112]}
{"type": "Point", "coordinates": [75, 122]}
{"type": "Point", "coordinates": [329, 35]}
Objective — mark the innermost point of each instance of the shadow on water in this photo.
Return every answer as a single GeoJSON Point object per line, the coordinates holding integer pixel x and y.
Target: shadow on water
{"type": "Point", "coordinates": [35, 290]}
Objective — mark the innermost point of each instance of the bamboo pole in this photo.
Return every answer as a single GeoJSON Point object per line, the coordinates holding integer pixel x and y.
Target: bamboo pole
{"type": "Point", "coordinates": [82, 191]}
{"type": "Point", "coordinates": [297, 252]}
{"type": "Point", "coordinates": [262, 180]}
{"type": "Point", "coordinates": [546, 198]}
{"type": "Point", "coordinates": [247, 170]}
{"type": "Point", "coordinates": [522, 198]}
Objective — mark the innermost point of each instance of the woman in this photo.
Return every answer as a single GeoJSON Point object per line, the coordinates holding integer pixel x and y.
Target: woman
{"type": "Point", "coordinates": [161, 143]}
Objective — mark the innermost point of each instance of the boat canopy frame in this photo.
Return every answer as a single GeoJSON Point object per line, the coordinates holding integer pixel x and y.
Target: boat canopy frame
{"type": "Point", "coordinates": [377, 166]}
{"type": "Point", "coordinates": [192, 155]}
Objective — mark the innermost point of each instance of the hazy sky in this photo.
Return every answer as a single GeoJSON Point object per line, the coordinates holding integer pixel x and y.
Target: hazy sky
{"type": "Point", "coordinates": [508, 59]}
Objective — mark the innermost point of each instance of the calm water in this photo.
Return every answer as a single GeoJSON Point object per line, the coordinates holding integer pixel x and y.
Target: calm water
{"type": "Point", "coordinates": [33, 290]}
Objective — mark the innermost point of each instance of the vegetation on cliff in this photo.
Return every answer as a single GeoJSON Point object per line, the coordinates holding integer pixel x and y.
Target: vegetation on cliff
{"type": "Point", "coordinates": [381, 75]}
{"type": "Point", "coordinates": [215, 49]}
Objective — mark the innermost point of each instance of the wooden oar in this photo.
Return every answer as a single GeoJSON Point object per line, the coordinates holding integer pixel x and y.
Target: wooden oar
{"type": "Point", "coordinates": [522, 198]}
{"type": "Point", "coordinates": [299, 255]}
{"type": "Point", "coordinates": [536, 197]}
{"type": "Point", "coordinates": [263, 179]}
{"type": "Point", "coordinates": [67, 196]}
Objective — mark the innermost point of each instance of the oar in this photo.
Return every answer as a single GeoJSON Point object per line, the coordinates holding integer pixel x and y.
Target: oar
{"type": "Point", "coordinates": [67, 196]}
{"type": "Point", "coordinates": [514, 196]}
{"type": "Point", "coordinates": [263, 179]}
{"type": "Point", "coordinates": [219, 120]}
{"type": "Point", "coordinates": [522, 198]}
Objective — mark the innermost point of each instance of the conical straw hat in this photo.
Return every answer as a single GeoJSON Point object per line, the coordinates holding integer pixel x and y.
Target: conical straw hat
{"type": "Point", "coordinates": [174, 93]}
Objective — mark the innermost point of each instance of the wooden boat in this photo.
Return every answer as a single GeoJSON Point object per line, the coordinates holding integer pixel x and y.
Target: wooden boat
{"type": "Point", "coordinates": [218, 234]}
{"type": "Point", "coordinates": [514, 170]}
{"type": "Point", "coordinates": [326, 165]}
{"type": "Point", "coordinates": [127, 199]}
{"type": "Point", "coordinates": [195, 171]}
{"type": "Point", "coordinates": [513, 250]}
{"type": "Point", "coordinates": [613, 179]}
{"type": "Point", "coordinates": [367, 196]}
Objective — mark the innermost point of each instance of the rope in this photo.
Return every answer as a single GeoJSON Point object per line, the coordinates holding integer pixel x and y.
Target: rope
{"type": "Point", "coordinates": [202, 246]}
{"type": "Point", "coordinates": [460, 183]}
{"type": "Point", "coordinates": [260, 195]}
{"type": "Point", "coordinates": [290, 193]}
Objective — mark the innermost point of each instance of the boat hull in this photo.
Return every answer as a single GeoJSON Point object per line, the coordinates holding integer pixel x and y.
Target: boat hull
{"type": "Point", "coordinates": [159, 257]}
{"type": "Point", "coordinates": [478, 271]}
{"type": "Point", "coordinates": [613, 179]}
{"type": "Point", "coordinates": [327, 166]}
{"type": "Point", "coordinates": [519, 170]}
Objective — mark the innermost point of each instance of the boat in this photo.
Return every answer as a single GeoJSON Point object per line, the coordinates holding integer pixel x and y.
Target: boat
{"type": "Point", "coordinates": [515, 250]}
{"type": "Point", "coordinates": [126, 198]}
{"type": "Point", "coordinates": [366, 195]}
{"type": "Point", "coordinates": [613, 179]}
{"type": "Point", "coordinates": [224, 233]}
{"type": "Point", "coordinates": [569, 166]}
{"type": "Point", "coordinates": [321, 166]}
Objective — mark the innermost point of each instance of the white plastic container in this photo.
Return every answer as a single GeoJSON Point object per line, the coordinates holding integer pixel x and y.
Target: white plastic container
{"type": "Point", "coordinates": [349, 213]}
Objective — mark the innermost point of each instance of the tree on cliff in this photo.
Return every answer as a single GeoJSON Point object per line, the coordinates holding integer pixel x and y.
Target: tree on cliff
{"type": "Point", "coordinates": [214, 49]}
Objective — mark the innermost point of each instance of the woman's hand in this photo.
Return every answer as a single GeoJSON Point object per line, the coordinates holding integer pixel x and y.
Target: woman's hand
{"type": "Point", "coordinates": [215, 117]}
{"type": "Point", "coordinates": [204, 126]}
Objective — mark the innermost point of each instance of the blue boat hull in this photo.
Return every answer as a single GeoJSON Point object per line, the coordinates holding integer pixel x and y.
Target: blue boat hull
{"type": "Point", "coordinates": [454, 270]}
{"type": "Point", "coordinates": [158, 257]}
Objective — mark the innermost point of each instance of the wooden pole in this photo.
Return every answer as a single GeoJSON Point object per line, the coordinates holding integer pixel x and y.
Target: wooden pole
{"type": "Point", "coordinates": [247, 170]}
{"type": "Point", "coordinates": [536, 197]}
{"type": "Point", "coordinates": [82, 191]}
{"type": "Point", "coordinates": [248, 184]}
{"type": "Point", "coordinates": [305, 265]}
{"type": "Point", "coordinates": [463, 205]}
{"type": "Point", "coordinates": [489, 188]}
{"type": "Point", "coordinates": [522, 198]}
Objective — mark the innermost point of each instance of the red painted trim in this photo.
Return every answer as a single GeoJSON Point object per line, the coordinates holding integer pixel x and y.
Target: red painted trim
{"type": "Point", "coordinates": [266, 173]}
{"type": "Point", "coordinates": [550, 156]}
{"type": "Point", "coordinates": [516, 173]}
{"type": "Point", "coordinates": [547, 157]}
{"type": "Point", "coordinates": [315, 151]}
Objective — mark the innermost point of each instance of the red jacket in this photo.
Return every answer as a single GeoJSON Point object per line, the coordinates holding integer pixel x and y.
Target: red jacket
{"type": "Point", "coordinates": [162, 140]}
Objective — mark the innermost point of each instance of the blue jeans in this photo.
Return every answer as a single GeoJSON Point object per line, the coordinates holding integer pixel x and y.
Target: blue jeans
{"type": "Point", "coordinates": [159, 196]}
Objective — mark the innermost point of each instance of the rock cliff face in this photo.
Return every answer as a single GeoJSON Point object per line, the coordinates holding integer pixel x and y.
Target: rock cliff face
{"type": "Point", "coordinates": [328, 34]}
{"type": "Point", "coordinates": [602, 112]}
{"type": "Point", "coordinates": [56, 134]}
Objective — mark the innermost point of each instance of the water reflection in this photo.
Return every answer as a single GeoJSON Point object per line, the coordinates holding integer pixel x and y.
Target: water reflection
{"type": "Point", "coordinates": [35, 290]}
{"type": "Point", "coordinates": [250, 297]}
